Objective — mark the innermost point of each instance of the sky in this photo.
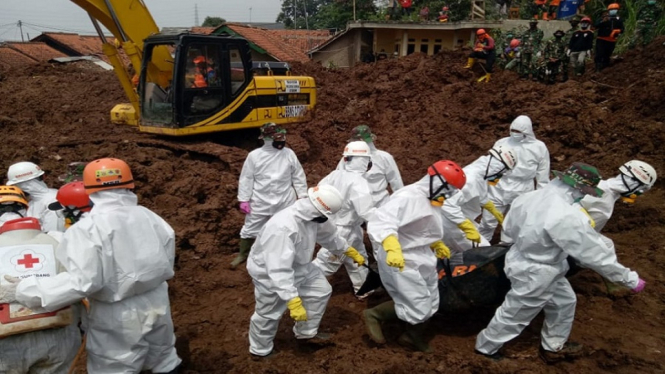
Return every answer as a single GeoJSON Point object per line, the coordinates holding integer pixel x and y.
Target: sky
{"type": "Point", "coordinates": [65, 16]}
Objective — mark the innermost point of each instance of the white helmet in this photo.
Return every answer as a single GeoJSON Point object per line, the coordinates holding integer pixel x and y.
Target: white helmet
{"type": "Point", "coordinates": [326, 199]}
{"type": "Point", "coordinates": [357, 148]}
{"type": "Point", "coordinates": [22, 172]}
{"type": "Point", "coordinates": [639, 170]}
{"type": "Point", "coordinates": [506, 155]}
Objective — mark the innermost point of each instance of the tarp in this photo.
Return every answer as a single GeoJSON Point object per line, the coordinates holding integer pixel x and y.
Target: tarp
{"type": "Point", "coordinates": [479, 281]}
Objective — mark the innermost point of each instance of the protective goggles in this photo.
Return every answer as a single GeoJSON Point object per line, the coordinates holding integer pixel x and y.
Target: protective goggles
{"type": "Point", "coordinates": [634, 188]}
{"type": "Point", "coordinates": [445, 191]}
{"type": "Point", "coordinates": [71, 212]}
{"type": "Point", "coordinates": [494, 178]}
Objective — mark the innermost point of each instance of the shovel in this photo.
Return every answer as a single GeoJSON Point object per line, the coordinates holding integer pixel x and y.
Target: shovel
{"type": "Point", "coordinates": [372, 282]}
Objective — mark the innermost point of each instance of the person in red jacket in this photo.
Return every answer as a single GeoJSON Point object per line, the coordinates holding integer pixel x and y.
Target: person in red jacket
{"type": "Point", "coordinates": [483, 49]}
{"type": "Point", "coordinates": [406, 7]}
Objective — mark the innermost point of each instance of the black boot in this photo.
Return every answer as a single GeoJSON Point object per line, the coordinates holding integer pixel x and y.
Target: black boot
{"type": "Point", "coordinates": [245, 246]}
{"type": "Point", "coordinates": [414, 338]}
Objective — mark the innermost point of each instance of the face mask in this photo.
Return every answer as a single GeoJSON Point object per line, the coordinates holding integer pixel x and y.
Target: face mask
{"type": "Point", "coordinates": [584, 25]}
{"type": "Point", "coordinates": [651, 2]}
{"type": "Point", "coordinates": [494, 171]}
{"type": "Point", "coordinates": [634, 188]}
{"type": "Point", "coordinates": [320, 219]}
{"type": "Point", "coordinates": [517, 136]}
{"type": "Point", "coordinates": [278, 144]}
{"type": "Point", "coordinates": [613, 12]}
{"type": "Point", "coordinates": [445, 191]}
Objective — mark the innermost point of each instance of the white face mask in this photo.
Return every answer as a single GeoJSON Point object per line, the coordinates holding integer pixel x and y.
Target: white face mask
{"type": "Point", "coordinates": [613, 12]}
{"type": "Point", "coordinates": [517, 136]}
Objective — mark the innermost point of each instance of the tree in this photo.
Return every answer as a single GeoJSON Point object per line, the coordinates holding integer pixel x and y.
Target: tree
{"type": "Point", "coordinates": [213, 21]}
{"type": "Point", "coordinates": [323, 14]}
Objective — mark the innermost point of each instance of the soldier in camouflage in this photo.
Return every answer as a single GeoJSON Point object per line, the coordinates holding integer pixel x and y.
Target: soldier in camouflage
{"type": "Point", "coordinates": [530, 42]}
{"type": "Point", "coordinates": [647, 20]}
{"type": "Point", "coordinates": [555, 60]}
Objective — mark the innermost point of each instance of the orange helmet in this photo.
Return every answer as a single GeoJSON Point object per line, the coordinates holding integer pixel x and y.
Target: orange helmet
{"type": "Point", "coordinates": [199, 60]}
{"type": "Point", "coordinates": [72, 194]}
{"type": "Point", "coordinates": [12, 194]}
{"type": "Point", "coordinates": [514, 43]}
{"type": "Point", "coordinates": [613, 6]}
{"type": "Point", "coordinates": [107, 174]}
{"type": "Point", "coordinates": [480, 32]}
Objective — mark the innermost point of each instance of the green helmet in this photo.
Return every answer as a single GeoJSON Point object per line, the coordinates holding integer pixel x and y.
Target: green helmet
{"type": "Point", "coordinates": [272, 131]}
{"type": "Point", "coordinates": [582, 177]}
{"type": "Point", "coordinates": [362, 132]}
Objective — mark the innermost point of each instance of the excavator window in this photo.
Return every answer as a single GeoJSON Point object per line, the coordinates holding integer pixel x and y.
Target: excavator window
{"type": "Point", "coordinates": [156, 91]}
{"type": "Point", "coordinates": [204, 92]}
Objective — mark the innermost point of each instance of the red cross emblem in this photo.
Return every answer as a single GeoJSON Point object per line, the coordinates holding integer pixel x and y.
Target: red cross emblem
{"type": "Point", "coordinates": [28, 261]}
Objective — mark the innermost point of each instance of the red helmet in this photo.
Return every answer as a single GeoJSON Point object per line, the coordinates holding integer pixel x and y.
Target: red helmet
{"type": "Point", "coordinates": [586, 19]}
{"type": "Point", "coordinates": [72, 194]}
{"type": "Point", "coordinates": [514, 43]}
{"type": "Point", "coordinates": [613, 6]}
{"type": "Point", "coordinates": [445, 9]}
{"type": "Point", "coordinates": [480, 32]}
{"type": "Point", "coordinates": [450, 171]}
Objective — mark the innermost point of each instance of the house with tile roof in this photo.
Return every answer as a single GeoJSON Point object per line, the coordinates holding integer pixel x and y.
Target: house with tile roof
{"type": "Point", "coordinates": [10, 58]}
{"type": "Point", "coordinates": [75, 45]}
{"type": "Point", "coordinates": [36, 50]}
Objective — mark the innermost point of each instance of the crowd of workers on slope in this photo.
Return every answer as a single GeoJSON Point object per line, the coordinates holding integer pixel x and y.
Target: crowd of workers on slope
{"type": "Point", "coordinates": [105, 251]}
{"type": "Point", "coordinates": [117, 255]}
{"type": "Point", "coordinates": [435, 217]}
{"type": "Point", "coordinates": [527, 53]}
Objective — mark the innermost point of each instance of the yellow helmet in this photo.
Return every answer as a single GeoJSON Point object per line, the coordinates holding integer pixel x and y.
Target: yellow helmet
{"type": "Point", "coordinates": [12, 194]}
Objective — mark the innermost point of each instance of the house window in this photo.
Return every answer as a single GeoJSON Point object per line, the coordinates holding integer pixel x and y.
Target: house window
{"type": "Point", "coordinates": [424, 48]}
{"type": "Point", "coordinates": [412, 40]}
{"type": "Point", "coordinates": [410, 48]}
{"type": "Point", "coordinates": [424, 41]}
{"type": "Point", "coordinates": [437, 40]}
{"type": "Point", "coordinates": [437, 48]}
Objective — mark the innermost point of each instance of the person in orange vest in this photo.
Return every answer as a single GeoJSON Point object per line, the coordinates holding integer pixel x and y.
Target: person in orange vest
{"type": "Point", "coordinates": [204, 73]}
{"type": "Point", "coordinates": [553, 9]}
{"type": "Point", "coordinates": [539, 7]}
{"type": "Point", "coordinates": [609, 28]}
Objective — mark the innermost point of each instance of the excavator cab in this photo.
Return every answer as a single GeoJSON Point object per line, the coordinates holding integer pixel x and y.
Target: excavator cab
{"type": "Point", "coordinates": [208, 74]}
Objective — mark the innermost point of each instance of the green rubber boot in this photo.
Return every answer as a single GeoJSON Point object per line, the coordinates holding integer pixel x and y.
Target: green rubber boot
{"type": "Point", "coordinates": [413, 338]}
{"type": "Point", "coordinates": [373, 318]}
{"type": "Point", "coordinates": [245, 246]}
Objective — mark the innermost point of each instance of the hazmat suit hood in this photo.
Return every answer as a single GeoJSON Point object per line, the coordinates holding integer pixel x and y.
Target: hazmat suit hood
{"type": "Point", "coordinates": [8, 216]}
{"type": "Point", "coordinates": [523, 124]}
{"type": "Point", "coordinates": [270, 147]}
{"type": "Point", "coordinates": [357, 164]}
{"type": "Point", "coordinates": [109, 199]}
{"type": "Point", "coordinates": [305, 210]}
{"type": "Point", "coordinates": [372, 147]}
{"type": "Point", "coordinates": [34, 187]}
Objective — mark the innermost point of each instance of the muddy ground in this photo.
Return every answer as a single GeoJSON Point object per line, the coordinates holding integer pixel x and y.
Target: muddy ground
{"type": "Point", "coordinates": [422, 109]}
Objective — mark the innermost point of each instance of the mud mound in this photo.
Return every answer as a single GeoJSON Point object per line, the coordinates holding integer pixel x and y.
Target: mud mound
{"type": "Point", "coordinates": [422, 109]}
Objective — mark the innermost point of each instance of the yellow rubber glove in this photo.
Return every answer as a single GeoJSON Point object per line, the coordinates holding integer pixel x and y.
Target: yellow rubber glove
{"type": "Point", "coordinates": [441, 250]}
{"type": "Point", "coordinates": [490, 207]}
{"type": "Point", "coordinates": [470, 230]}
{"type": "Point", "coordinates": [298, 312]}
{"type": "Point", "coordinates": [393, 249]}
{"type": "Point", "coordinates": [355, 256]}
{"type": "Point", "coordinates": [591, 221]}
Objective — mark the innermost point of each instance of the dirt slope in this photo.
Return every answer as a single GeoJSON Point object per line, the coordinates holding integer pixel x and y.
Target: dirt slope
{"type": "Point", "coordinates": [422, 109]}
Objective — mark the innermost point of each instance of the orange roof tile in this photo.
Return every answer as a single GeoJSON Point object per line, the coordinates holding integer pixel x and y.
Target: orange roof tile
{"type": "Point", "coordinates": [11, 58]}
{"type": "Point", "coordinates": [270, 42]}
{"type": "Point", "coordinates": [36, 50]}
{"type": "Point", "coordinates": [304, 40]}
{"type": "Point", "coordinates": [82, 45]}
{"type": "Point", "coordinates": [202, 30]}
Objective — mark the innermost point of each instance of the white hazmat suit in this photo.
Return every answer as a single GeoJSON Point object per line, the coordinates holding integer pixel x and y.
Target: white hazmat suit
{"type": "Point", "coordinates": [533, 163]}
{"type": "Point", "coordinates": [467, 204]}
{"type": "Point", "coordinates": [49, 351]}
{"type": "Point", "coordinates": [546, 228]}
{"type": "Point", "coordinates": [280, 264]}
{"type": "Point", "coordinates": [8, 216]}
{"type": "Point", "coordinates": [357, 208]}
{"type": "Point", "coordinates": [384, 172]}
{"type": "Point", "coordinates": [416, 223]}
{"type": "Point", "coordinates": [270, 180]}
{"type": "Point", "coordinates": [119, 257]}
{"type": "Point", "coordinates": [40, 197]}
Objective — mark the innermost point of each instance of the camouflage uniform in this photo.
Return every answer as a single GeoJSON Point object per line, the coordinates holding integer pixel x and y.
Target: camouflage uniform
{"type": "Point", "coordinates": [647, 19]}
{"type": "Point", "coordinates": [531, 40]}
{"type": "Point", "coordinates": [555, 49]}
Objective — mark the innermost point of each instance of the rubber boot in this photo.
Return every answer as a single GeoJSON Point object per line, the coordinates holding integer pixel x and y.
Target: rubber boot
{"type": "Point", "coordinates": [414, 338]}
{"type": "Point", "coordinates": [373, 318]}
{"type": "Point", "coordinates": [245, 246]}
{"type": "Point", "coordinates": [485, 78]}
{"type": "Point", "coordinates": [470, 63]}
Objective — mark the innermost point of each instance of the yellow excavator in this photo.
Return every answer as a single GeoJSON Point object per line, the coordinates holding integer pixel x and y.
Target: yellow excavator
{"type": "Point", "coordinates": [192, 83]}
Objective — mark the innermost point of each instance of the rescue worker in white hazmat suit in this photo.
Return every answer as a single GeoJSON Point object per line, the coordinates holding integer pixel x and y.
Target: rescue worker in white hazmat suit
{"type": "Point", "coordinates": [29, 178]}
{"type": "Point", "coordinates": [546, 228]}
{"type": "Point", "coordinates": [280, 264]}
{"type": "Point", "coordinates": [119, 257]}
{"type": "Point", "coordinates": [13, 204]}
{"type": "Point", "coordinates": [461, 210]}
{"type": "Point", "coordinates": [635, 178]}
{"type": "Point", "coordinates": [384, 170]}
{"type": "Point", "coordinates": [410, 228]}
{"type": "Point", "coordinates": [270, 180]}
{"type": "Point", "coordinates": [52, 348]}
{"type": "Point", "coordinates": [533, 163]}
{"type": "Point", "coordinates": [357, 208]}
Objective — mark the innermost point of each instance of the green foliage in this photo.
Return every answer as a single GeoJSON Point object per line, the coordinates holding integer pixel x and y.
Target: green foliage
{"type": "Point", "coordinates": [213, 21]}
{"type": "Point", "coordinates": [323, 14]}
